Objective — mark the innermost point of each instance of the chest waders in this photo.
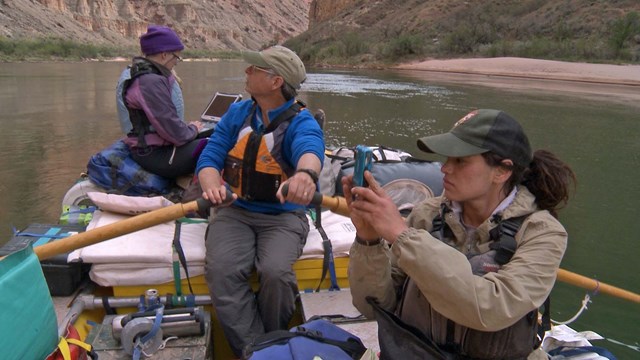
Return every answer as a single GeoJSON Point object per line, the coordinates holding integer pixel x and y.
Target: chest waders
{"type": "Point", "coordinates": [515, 341]}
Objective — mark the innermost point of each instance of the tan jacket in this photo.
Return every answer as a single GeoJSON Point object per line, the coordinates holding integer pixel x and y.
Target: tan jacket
{"type": "Point", "coordinates": [447, 288]}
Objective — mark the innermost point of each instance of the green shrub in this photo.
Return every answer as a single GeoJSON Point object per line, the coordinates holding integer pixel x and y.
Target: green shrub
{"type": "Point", "coordinates": [623, 30]}
{"type": "Point", "coordinates": [405, 45]}
{"type": "Point", "coordinates": [61, 49]}
{"type": "Point", "coordinates": [353, 44]}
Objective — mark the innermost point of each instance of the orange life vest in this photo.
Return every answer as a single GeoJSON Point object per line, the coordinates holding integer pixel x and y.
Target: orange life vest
{"type": "Point", "coordinates": [255, 167]}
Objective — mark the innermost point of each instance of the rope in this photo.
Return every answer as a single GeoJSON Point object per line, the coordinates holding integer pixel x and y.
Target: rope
{"type": "Point", "coordinates": [632, 347]}
{"type": "Point", "coordinates": [585, 302]}
{"type": "Point", "coordinates": [164, 343]}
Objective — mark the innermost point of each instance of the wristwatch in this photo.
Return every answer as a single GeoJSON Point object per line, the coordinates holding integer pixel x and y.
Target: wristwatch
{"type": "Point", "coordinates": [361, 241]}
{"type": "Point", "coordinates": [312, 173]}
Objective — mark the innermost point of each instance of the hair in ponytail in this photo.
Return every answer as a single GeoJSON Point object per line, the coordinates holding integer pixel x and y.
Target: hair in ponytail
{"type": "Point", "coordinates": [548, 178]}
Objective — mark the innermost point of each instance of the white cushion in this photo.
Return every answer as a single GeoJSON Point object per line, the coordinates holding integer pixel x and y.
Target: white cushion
{"type": "Point", "coordinates": [127, 205]}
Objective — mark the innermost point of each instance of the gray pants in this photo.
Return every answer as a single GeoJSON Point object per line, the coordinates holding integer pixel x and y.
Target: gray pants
{"type": "Point", "coordinates": [238, 241]}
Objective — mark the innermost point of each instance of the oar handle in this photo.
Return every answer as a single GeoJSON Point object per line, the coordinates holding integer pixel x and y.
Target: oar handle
{"type": "Point", "coordinates": [126, 226]}
{"type": "Point", "coordinates": [337, 204]}
{"type": "Point", "coordinates": [596, 286]}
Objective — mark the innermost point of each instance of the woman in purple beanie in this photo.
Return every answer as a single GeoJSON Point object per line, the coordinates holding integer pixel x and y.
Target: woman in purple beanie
{"type": "Point", "coordinates": [151, 108]}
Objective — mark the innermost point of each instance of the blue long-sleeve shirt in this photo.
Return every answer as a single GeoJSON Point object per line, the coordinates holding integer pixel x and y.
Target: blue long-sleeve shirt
{"type": "Point", "coordinates": [303, 136]}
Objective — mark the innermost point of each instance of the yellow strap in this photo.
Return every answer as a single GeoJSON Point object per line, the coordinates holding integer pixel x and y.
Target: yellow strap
{"type": "Point", "coordinates": [63, 345]}
{"type": "Point", "coordinates": [64, 349]}
{"type": "Point", "coordinates": [80, 343]}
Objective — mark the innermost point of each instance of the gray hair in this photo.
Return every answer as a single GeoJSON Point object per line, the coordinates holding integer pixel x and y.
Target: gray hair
{"type": "Point", "coordinates": [288, 92]}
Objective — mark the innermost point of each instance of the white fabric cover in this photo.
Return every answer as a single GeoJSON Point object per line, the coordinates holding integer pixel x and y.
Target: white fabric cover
{"type": "Point", "coordinates": [128, 205]}
{"type": "Point", "coordinates": [146, 256]}
{"type": "Point", "coordinates": [340, 231]}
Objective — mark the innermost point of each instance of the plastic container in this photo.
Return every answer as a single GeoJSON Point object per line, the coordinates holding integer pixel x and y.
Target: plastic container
{"type": "Point", "coordinates": [62, 278]}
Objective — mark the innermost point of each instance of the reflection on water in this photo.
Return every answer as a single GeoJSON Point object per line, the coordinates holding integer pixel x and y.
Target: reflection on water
{"type": "Point", "coordinates": [375, 110]}
{"type": "Point", "coordinates": [55, 116]}
{"type": "Point", "coordinates": [346, 84]}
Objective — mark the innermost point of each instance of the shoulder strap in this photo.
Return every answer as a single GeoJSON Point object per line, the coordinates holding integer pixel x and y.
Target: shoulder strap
{"type": "Point", "coordinates": [440, 229]}
{"type": "Point", "coordinates": [139, 67]}
{"type": "Point", "coordinates": [504, 237]}
{"type": "Point", "coordinates": [286, 115]}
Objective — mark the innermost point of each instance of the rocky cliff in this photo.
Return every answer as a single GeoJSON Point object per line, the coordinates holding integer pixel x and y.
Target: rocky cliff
{"type": "Point", "coordinates": [323, 10]}
{"type": "Point", "coordinates": [202, 24]}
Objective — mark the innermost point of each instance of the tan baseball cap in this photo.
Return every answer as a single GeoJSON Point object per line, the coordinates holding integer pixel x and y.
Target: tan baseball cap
{"type": "Point", "coordinates": [281, 60]}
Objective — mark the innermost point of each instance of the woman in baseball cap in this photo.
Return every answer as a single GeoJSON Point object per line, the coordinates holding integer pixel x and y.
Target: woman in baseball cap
{"type": "Point", "coordinates": [470, 268]}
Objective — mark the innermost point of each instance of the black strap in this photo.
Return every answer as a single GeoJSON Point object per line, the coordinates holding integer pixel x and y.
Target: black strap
{"type": "Point", "coordinates": [504, 237]}
{"type": "Point", "coordinates": [180, 251]}
{"type": "Point", "coordinates": [327, 260]}
{"type": "Point", "coordinates": [249, 163]}
{"type": "Point", "coordinates": [286, 115]}
{"type": "Point", "coordinates": [440, 229]}
{"type": "Point", "coordinates": [450, 344]}
{"type": "Point", "coordinates": [107, 307]}
{"type": "Point", "coordinates": [140, 126]}
{"type": "Point", "coordinates": [545, 324]}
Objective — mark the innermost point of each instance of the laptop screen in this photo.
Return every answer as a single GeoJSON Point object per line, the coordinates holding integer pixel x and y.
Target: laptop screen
{"type": "Point", "coordinates": [219, 105]}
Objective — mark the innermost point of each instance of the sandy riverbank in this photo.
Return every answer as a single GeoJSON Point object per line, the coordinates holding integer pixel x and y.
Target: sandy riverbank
{"type": "Point", "coordinates": [617, 83]}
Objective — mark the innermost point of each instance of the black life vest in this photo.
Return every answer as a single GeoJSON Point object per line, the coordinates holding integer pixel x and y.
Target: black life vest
{"type": "Point", "coordinates": [138, 118]}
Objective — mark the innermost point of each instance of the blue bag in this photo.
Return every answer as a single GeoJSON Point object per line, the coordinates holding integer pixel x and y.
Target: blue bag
{"type": "Point", "coordinates": [115, 170]}
{"type": "Point", "coordinates": [582, 351]}
{"type": "Point", "coordinates": [319, 338]}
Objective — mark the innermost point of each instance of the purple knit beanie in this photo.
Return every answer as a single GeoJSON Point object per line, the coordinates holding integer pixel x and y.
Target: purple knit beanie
{"type": "Point", "coordinates": [159, 39]}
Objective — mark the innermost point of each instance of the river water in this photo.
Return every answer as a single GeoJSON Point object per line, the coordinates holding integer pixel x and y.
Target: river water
{"type": "Point", "coordinates": [56, 115]}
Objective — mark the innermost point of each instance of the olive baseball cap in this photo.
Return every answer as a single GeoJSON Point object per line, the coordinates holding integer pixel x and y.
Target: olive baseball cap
{"type": "Point", "coordinates": [482, 131]}
{"type": "Point", "coordinates": [281, 60]}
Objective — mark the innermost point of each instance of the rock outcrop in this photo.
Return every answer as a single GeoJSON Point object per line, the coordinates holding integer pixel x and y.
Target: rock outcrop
{"type": "Point", "coordinates": [202, 24]}
{"type": "Point", "coordinates": [323, 10]}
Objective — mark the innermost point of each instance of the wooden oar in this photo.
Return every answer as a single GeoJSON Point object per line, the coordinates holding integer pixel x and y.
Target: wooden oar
{"type": "Point", "coordinates": [596, 286]}
{"type": "Point", "coordinates": [339, 205]}
{"type": "Point", "coordinates": [119, 228]}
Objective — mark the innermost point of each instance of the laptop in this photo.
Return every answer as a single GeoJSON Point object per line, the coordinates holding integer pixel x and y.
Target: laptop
{"type": "Point", "coordinates": [218, 106]}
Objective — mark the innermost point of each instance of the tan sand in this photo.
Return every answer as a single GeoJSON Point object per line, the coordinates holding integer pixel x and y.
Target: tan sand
{"type": "Point", "coordinates": [614, 83]}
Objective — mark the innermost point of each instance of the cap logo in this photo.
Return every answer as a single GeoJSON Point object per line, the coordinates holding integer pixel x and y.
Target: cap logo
{"type": "Point", "coordinates": [466, 118]}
